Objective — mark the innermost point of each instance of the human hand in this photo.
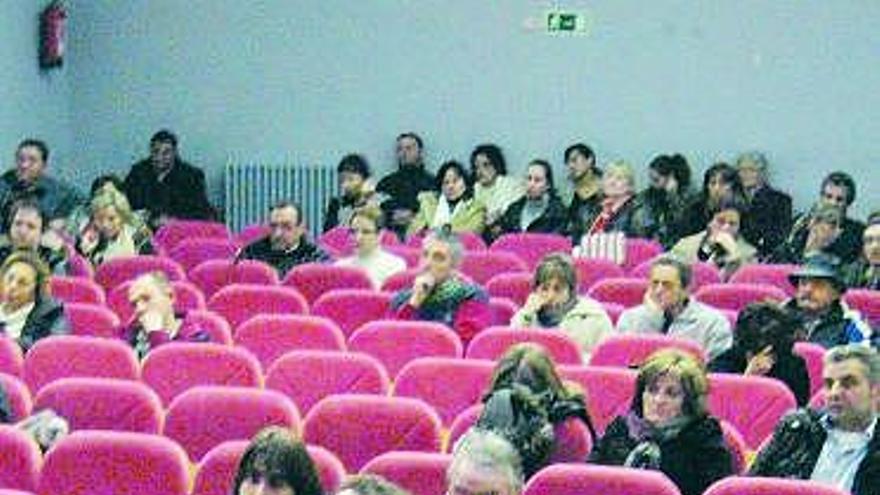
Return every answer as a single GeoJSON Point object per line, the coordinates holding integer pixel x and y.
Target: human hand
{"type": "Point", "coordinates": [535, 302]}
{"type": "Point", "coordinates": [88, 241]}
{"type": "Point", "coordinates": [726, 241]}
{"type": "Point", "coordinates": [761, 363]}
{"type": "Point", "coordinates": [422, 286]}
{"type": "Point", "coordinates": [151, 321]}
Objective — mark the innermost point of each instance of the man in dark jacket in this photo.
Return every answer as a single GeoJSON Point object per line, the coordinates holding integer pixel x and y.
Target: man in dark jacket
{"type": "Point", "coordinates": [399, 191]}
{"type": "Point", "coordinates": [839, 445]}
{"type": "Point", "coordinates": [768, 228]}
{"type": "Point", "coordinates": [286, 246]}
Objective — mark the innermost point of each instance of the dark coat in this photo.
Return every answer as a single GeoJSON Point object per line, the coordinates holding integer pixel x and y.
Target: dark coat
{"type": "Point", "coordinates": [56, 198]}
{"type": "Point", "coordinates": [771, 221]}
{"type": "Point", "coordinates": [181, 194]}
{"type": "Point", "coordinates": [553, 220]}
{"type": "Point", "coordinates": [693, 459]}
{"type": "Point", "coordinates": [283, 261]}
{"type": "Point", "coordinates": [46, 319]}
{"type": "Point", "coordinates": [788, 368]}
{"type": "Point", "coordinates": [632, 218]}
{"type": "Point", "coordinates": [402, 188]}
{"type": "Point", "coordinates": [664, 214]}
{"type": "Point", "coordinates": [834, 328]}
{"type": "Point", "coordinates": [847, 247]}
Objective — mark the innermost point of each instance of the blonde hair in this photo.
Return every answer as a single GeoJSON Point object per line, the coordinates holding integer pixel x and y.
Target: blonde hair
{"type": "Point", "coordinates": [109, 196]}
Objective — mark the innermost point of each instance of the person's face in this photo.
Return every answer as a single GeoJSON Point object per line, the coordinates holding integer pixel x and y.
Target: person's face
{"type": "Point", "coordinates": [366, 234]}
{"type": "Point", "coordinates": [29, 163]}
{"type": "Point", "coordinates": [665, 286]}
{"type": "Point", "coordinates": [453, 185]}
{"type": "Point", "coordinates": [286, 231]}
{"type": "Point", "coordinates": [850, 398]}
{"type": "Point", "coordinates": [871, 239]}
{"type": "Point", "coordinates": [351, 183]}
{"type": "Point", "coordinates": [146, 296]}
{"type": "Point", "coordinates": [555, 292]}
{"type": "Point", "coordinates": [26, 229]}
{"type": "Point", "coordinates": [749, 174]}
{"type": "Point", "coordinates": [438, 260]}
{"type": "Point", "coordinates": [162, 155]}
{"type": "Point", "coordinates": [615, 185]}
{"type": "Point", "coordinates": [718, 188]}
{"type": "Point", "coordinates": [108, 221]}
{"type": "Point", "coordinates": [486, 172]}
{"type": "Point", "coordinates": [663, 400]}
{"type": "Point", "coordinates": [834, 195]}
{"type": "Point", "coordinates": [657, 180]}
{"type": "Point", "coordinates": [19, 285]}
{"type": "Point", "coordinates": [476, 480]}
{"type": "Point", "coordinates": [536, 182]}
{"type": "Point", "coordinates": [578, 165]}
{"type": "Point", "coordinates": [725, 221]}
{"type": "Point", "coordinates": [408, 151]}
{"type": "Point", "coordinates": [261, 486]}
{"type": "Point", "coordinates": [815, 294]}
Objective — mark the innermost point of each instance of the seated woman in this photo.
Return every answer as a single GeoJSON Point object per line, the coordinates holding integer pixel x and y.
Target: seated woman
{"type": "Point", "coordinates": [762, 346]}
{"type": "Point", "coordinates": [721, 182]}
{"type": "Point", "coordinates": [154, 321]}
{"type": "Point", "coordinates": [865, 272]}
{"type": "Point", "coordinates": [455, 207]}
{"type": "Point", "coordinates": [493, 188]}
{"type": "Point", "coordinates": [620, 209]}
{"type": "Point", "coordinates": [539, 210]}
{"type": "Point", "coordinates": [276, 463]}
{"type": "Point", "coordinates": [114, 230]}
{"type": "Point", "coordinates": [666, 196]}
{"type": "Point", "coordinates": [27, 311]}
{"type": "Point", "coordinates": [440, 294]}
{"type": "Point", "coordinates": [357, 191]}
{"type": "Point", "coordinates": [668, 427]}
{"type": "Point", "coordinates": [555, 303]}
{"type": "Point", "coordinates": [378, 263]}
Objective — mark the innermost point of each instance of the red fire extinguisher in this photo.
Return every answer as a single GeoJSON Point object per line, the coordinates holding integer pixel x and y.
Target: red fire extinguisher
{"type": "Point", "coordinates": [52, 22]}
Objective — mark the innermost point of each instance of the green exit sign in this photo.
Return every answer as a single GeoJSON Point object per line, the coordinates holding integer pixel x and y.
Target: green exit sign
{"type": "Point", "coordinates": [562, 22]}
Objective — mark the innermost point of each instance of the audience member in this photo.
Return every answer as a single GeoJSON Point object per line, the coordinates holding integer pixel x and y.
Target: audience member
{"type": "Point", "coordinates": [56, 199]}
{"type": "Point", "coordinates": [357, 191]}
{"type": "Point", "coordinates": [538, 210]}
{"type": "Point", "coordinates": [369, 484]}
{"type": "Point", "coordinates": [440, 294]}
{"type": "Point", "coordinates": [81, 216]}
{"type": "Point", "coordinates": [276, 463]}
{"type": "Point", "coordinates": [668, 427]}
{"type": "Point", "coordinates": [865, 272]}
{"type": "Point", "coordinates": [668, 309]}
{"type": "Point", "coordinates": [26, 233]}
{"type": "Point", "coordinates": [493, 188]}
{"type": "Point", "coordinates": [286, 245]}
{"type": "Point", "coordinates": [818, 307]}
{"type": "Point", "coordinates": [772, 219]}
{"type": "Point", "coordinates": [555, 303]}
{"type": "Point", "coordinates": [27, 312]}
{"type": "Point", "coordinates": [815, 232]}
{"type": "Point", "coordinates": [763, 343]}
{"type": "Point", "coordinates": [455, 206]}
{"type": "Point", "coordinates": [165, 185]}
{"type": "Point", "coordinates": [721, 182]}
{"type": "Point", "coordinates": [586, 179]}
{"type": "Point", "coordinates": [400, 189]}
{"type": "Point", "coordinates": [619, 210]}
{"type": "Point", "coordinates": [483, 462]}
{"type": "Point", "coordinates": [114, 229]}
{"type": "Point", "coordinates": [840, 444]}
{"type": "Point", "coordinates": [378, 263]}
{"type": "Point", "coordinates": [666, 196]}
{"type": "Point", "coordinates": [721, 243]}
{"type": "Point", "coordinates": [45, 426]}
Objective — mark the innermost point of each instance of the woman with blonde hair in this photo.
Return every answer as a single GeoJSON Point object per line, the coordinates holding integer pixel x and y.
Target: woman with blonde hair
{"type": "Point", "coordinates": [620, 209]}
{"type": "Point", "coordinates": [113, 230]}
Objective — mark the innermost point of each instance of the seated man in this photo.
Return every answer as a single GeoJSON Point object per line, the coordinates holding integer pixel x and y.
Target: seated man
{"type": "Point", "coordinates": [165, 185]}
{"type": "Point", "coordinates": [484, 463]}
{"type": "Point", "coordinates": [770, 227]}
{"type": "Point", "coordinates": [817, 304]}
{"type": "Point", "coordinates": [668, 309]}
{"type": "Point", "coordinates": [357, 191]}
{"type": "Point", "coordinates": [439, 293]}
{"type": "Point", "coordinates": [840, 444]}
{"type": "Point", "coordinates": [400, 190]}
{"type": "Point", "coordinates": [817, 231]}
{"type": "Point", "coordinates": [286, 246]}
{"type": "Point", "coordinates": [26, 229]}
{"type": "Point", "coordinates": [865, 273]}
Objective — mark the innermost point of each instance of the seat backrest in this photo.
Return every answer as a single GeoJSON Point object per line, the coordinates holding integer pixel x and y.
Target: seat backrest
{"type": "Point", "coordinates": [20, 467]}
{"type": "Point", "coordinates": [351, 308]}
{"type": "Point", "coordinates": [395, 343]}
{"type": "Point", "coordinates": [314, 279]}
{"type": "Point", "coordinates": [614, 311]}
{"type": "Point", "coordinates": [173, 232]}
{"type": "Point", "coordinates": [448, 385]}
{"type": "Point", "coordinates": [268, 337]}
{"type": "Point", "coordinates": [481, 266]}
{"type": "Point", "coordinates": [18, 395]}
{"type": "Point", "coordinates": [867, 302]}
{"type": "Point", "coordinates": [92, 320]}
{"type": "Point", "coordinates": [701, 273]}
{"type": "Point", "coordinates": [115, 271]}
{"type": "Point", "coordinates": [503, 310]}
{"type": "Point", "coordinates": [103, 404]}
{"type": "Point", "coordinates": [515, 286]}
{"type": "Point", "coordinates": [203, 417]}
{"type": "Point", "coordinates": [239, 302]}
{"type": "Point", "coordinates": [470, 241]}
{"type": "Point", "coordinates": [357, 428]}
{"type": "Point", "coordinates": [493, 342]}
{"type": "Point", "coordinates": [640, 250]}
{"type": "Point", "coordinates": [530, 246]}
{"type": "Point", "coordinates": [591, 270]}
{"type": "Point", "coordinates": [75, 290]}
{"type": "Point", "coordinates": [400, 280]}
{"type": "Point", "coordinates": [737, 446]}
{"type": "Point", "coordinates": [190, 252]}
{"type": "Point", "coordinates": [80, 266]}
{"type": "Point", "coordinates": [11, 357]}
{"type": "Point", "coordinates": [411, 255]}
{"type": "Point", "coordinates": [176, 367]}
{"type": "Point", "coordinates": [735, 485]}
{"type": "Point", "coordinates": [419, 473]}
{"type": "Point", "coordinates": [214, 325]}
{"type": "Point", "coordinates": [187, 297]}
{"type": "Point", "coordinates": [753, 404]}
{"type": "Point", "coordinates": [66, 356]}
{"type": "Point", "coordinates": [813, 355]}
{"type": "Point", "coordinates": [251, 233]}
{"type": "Point", "coordinates": [577, 479]}
{"type": "Point", "coordinates": [114, 463]}
{"type": "Point", "coordinates": [609, 391]}
{"type": "Point", "coordinates": [626, 291]}
{"type": "Point", "coordinates": [630, 350]}
{"type": "Point", "coordinates": [737, 296]}
{"type": "Point", "coordinates": [766, 274]}
{"type": "Point", "coordinates": [329, 373]}
{"type": "Point", "coordinates": [212, 275]}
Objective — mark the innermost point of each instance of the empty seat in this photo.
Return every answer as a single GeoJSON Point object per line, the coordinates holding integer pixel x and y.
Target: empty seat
{"type": "Point", "coordinates": [72, 355]}
{"type": "Point", "coordinates": [419, 473]}
{"type": "Point", "coordinates": [531, 247]}
{"type": "Point", "coordinates": [591, 270]}
{"type": "Point", "coordinates": [448, 385]}
{"type": "Point", "coordinates": [210, 323]}
{"type": "Point", "coordinates": [11, 357]}
{"type": "Point", "coordinates": [626, 291]}
{"type": "Point", "coordinates": [212, 275]}
{"type": "Point", "coordinates": [737, 296]}
{"type": "Point", "coordinates": [191, 252]}
{"type": "Point", "coordinates": [609, 391]}
{"type": "Point", "coordinates": [76, 290]}
{"type": "Point", "coordinates": [20, 464]}
{"type": "Point", "coordinates": [639, 251]}
{"type": "Point", "coordinates": [268, 337]}
{"type": "Point", "coordinates": [314, 279]}
{"type": "Point", "coordinates": [92, 320]}
{"type": "Point", "coordinates": [18, 395]}
{"type": "Point", "coordinates": [736, 485]}
{"type": "Point", "coordinates": [395, 343]}
{"type": "Point", "coordinates": [514, 286]}
{"type": "Point", "coordinates": [701, 273]}
{"type": "Point", "coordinates": [481, 266]}
{"type": "Point", "coordinates": [173, 232]}
{"type": "Point", "coordinates": [351, 308]}
{"type": "Point", "coordinates": [187, 297]}
{"type": "Point", "coordinates": [753, 404]}
{"type": "Point", "coordinates": [493, 342]}
{"type": "Point", "coordinates": [766, 274]}
{"type": "Point", "coordinates": [630, 350]}
{"type": "Point", "coordinates": [239, 302]}
{"type": "Point", "coordinates": [117, 270]}
{"type": "Point", "coordinates": [578, 479]}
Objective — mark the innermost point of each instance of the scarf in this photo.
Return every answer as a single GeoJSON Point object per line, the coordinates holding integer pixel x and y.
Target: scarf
{"type": "Point", "coordinates": [444, 300]}
{"type": "Point", "coordinates": [610, 208]}
{"type": "Point", "coordinates": [550, 317]}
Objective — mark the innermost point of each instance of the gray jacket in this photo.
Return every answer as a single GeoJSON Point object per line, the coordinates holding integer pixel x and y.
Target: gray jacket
{"type": "Point", "coordinates": [698, 322]}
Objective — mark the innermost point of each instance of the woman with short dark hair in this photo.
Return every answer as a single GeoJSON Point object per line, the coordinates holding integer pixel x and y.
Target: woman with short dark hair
{"type": "Point", "coordinates": [454, 207]}
{"type": "Point", "coordinates": [27, 312]}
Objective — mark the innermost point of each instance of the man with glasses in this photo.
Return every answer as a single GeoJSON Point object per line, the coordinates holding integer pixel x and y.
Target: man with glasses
{"type": "Point", "coordinates": [286, 245]}
{"type": "Point", "coordinates": [369, 256]}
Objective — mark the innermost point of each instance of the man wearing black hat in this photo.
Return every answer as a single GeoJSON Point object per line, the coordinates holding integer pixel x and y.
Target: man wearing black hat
{"type": "Point", "coordinates": [824, 319]}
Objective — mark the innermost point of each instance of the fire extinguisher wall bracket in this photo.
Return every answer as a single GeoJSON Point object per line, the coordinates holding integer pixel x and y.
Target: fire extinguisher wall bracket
{"type": "Point", "coordinates": [52, 32]}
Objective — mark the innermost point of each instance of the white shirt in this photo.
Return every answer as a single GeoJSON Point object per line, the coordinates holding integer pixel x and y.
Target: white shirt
{"type": "Point", "coordinates": [379, 265]}
{"type": "Point", "coordinates": [13, 322]}
{"type": "Point", "coordinates": [841, 455]}
{"type": "Point", "coordinates": [500, 195]}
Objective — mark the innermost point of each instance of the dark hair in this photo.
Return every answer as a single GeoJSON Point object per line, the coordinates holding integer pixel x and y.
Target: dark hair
{"type": "Point", "coordinates": [675, 165]}
{"type": "Point", "coordinates": [690, 371]}
{"type": "Point", "coordinates": [101, 180]}
{"type": "Point", "coordinates": [733, 203]}
{"type": "Point", "coordinates": [530, 365]}
{"type": "Point", "coordinates": [583, 149]}
{"type": "Point", "coordinates": [461, 171]}
{"type": "Point", "coordinates": [35, 143]}
{"type": "Point", "coordinates": [355, 164]}
{"type": "Point", "coordinates": [729, 175]}
{"type": "Point", "coordinates": [412, 135]}
{"type": "Point", "coordinates": [844, 180]}
{"type": "Point", "coordinates": [548, 173]}
{"type": "Point", "coordinates": [371, 484]}
{"type": "Point", "coordinates": [762, 324]}
{"type": "Point", "coordinates": [285, 203]}
{"type": "Point", "coordinates": [276, 455]}
{"type": "Point", "coordinates": [683, 268]}
{"type": "Point", "coordinates": [27, 204]}
{"type": "Point", "coordinates": [493, 154]}
{"type": "Point", "coordinates": [164, 136]}
{"type": "Point", "coordinates": [41, 270]}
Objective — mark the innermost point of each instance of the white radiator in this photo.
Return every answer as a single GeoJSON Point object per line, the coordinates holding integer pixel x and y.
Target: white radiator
{"type": "Point", "coordinates": [251, 188]}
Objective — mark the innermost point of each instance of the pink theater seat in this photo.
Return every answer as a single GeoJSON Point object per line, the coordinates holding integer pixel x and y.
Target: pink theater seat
{"type": "Point", "coordinates": [867, 302]}
{"type": "Point", "coordinates": [817, 401]}
{"type": "Point", "coordinates": [80, 267]}
{"type": "Point", "coordinates": [493, 342]}
{"type": "Point", "coordinates": [114, 463]}
{"type": "Point", "coordinates": [514, 286]}
{"type": "Point", "coordinates": [400, 280]}
{"type": "Point", "coordinates": [351, 308]}
{"type": "Point", "coordinates": [176, 367]}
{"type": "Point", "coordinates": [187, 297]}
{"type": "Point", "coordinates": [411, 255]}
{"type": "Point", "coordinates": [314, 279]}
{"type": "Point", "coordinates": [11, 358]}
{"type": "Point", "coordinates": [340, 240]}
{"type": "Point", "coordinates": [357, 428]}
{"type": "Point", "coordinates": [737, 296]}
{"type": "Point", "coordinates": [92, 320]}
{"type": "Point", "coordinates": [752, 404]}
{"type": "Point", "coordinates": [614, 311]}
{"type": "Point", "coordinates": [174, 232]}
{"type": "Point", "coordinates": [813, 355]}
{"type": "Point", "coordinates": [103, 404]}
{"type": "Point", "coordinates": [239, 302]}
{"type": "Point", "coordinates": [531, 247]}
{"type": "Point", "coordinates": [630, 350]}
{"type": "Point", "coordinates": [609, 391]}
{"type": "Point", "coordinates": [191, 252]}
{"type": "Point", "coordinates": [626, 291]}
{"type": "Point", "coordinates": [469, 241]}
{"type": "Point", "coordinates": [18, 395]}
{"type": "Point", "coordinates": [591, 270]}
{"type": "Point", "coordinates": [251, 233]}
{"type": "Point", "coordinates": [203, 417]}
{"type": "Point", "coordinates": [117, 270]}
{"type": "Point", "coordinates": [579, 479]}
{"type": "Point", "coordinates": [775, 275]}
{"type": "Point", "coordinates": [481, 266]}
{"type": "Point", "coordinates": [419, 473]}
{"type": "Point", "coordinates": [448, 385]}
{"type": "Point", "coordinates": [212, 324]}
{"type": "Point", "coordinates": [503, 310]}
{"type": "Point", "coordinates": [268, 337]}
{"type": "Point", "coordinates": [212, 275]}
{"type": "Point", "coordinates": [328, 373]}
{"type": "Point", "coordinates": [737, 446]}
{"type": "Point", "coordinates": [75, 290]}
{"type": "Point", "coordinates": [67, 356]}
{"type": "Point", "coordinates": [736, 485]}
{"type": "Point", "coordinates": [639, 251]}
{"type": "Point", "coordinates": [4, 491]}
{"type": "Point", "coordinates": [21, 459]}
{"type": "Point", "coordinates": [395, 343]}
{"type": "Point", "coordinates": [701, 273]}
